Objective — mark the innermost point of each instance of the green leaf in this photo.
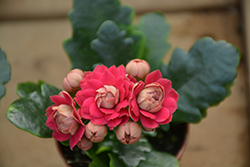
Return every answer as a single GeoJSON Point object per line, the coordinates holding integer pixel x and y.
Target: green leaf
{"type": "Point", "coordinates": [156, 30]}
{"type": "Point", "coordinates": [202, 77]}
{"type": "Point", "coordinates": [159, 159]}
{"type": "Point", "coordinates": [24, 89]}
{"type": "Point", "coordinates": [97, 159]}
{"type": "Point", "coordinates": [86, 18]}
{"type": "Point", "coordinates": [65, 143]}
{"type": "Point", "coordinates": [28, 112]}
{"type": "Point", "coordinates": [112, 45]}
{"type": "Point", "coordinates": [4, 72]}
{"type": "Point", "coordinates": [130, 155]}
{"type": "Point", "coordinates": [133, 154]}
{"type": "Point", "coordinates": [115, 161]}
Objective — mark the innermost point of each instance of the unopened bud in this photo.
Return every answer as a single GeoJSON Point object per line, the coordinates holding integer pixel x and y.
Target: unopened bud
{"type": "Point", "coordinates": [71, 81]}
{"type": "Point", "coordinates": [84, 144]}
{"type": "Point", "coordinates": [148, 129]}
{"type": "Point", "coordinates": [138, 68]}
{"type": "Point", "coordinates": [95, 133]}
{"type": "Point", "coordinates": [129, 133]}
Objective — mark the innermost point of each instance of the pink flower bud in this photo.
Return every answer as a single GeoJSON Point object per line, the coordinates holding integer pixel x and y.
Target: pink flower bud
{"type": "Point", "coordinates": [95, 133]}
{"type": "Point", "coordinates": [71, 81]}
{"type": "Point", "coordinates": [84, 144]}
{"type": "Point", "coordinates": [138, 68]}
{"type": "Point", "coordinates": [148, 129]}
{"type": "Point", "coordinates": [107, 97]}
{"type": "Point", "coordinates": [129, 133]}
{"type": "Point", "coordinates": [151, 97]}
{"type": "Point", "coordinates": [64, 119]}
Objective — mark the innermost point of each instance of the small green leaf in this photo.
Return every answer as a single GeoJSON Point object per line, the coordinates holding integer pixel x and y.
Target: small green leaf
{"type": "Point", "coordinates": [98, 160]}
{"type": "Point", "coordinates": [202, 77]}
{"type": "Point", "coordinates": [133, 154]}
{"type": "Point", "coordinates": [86, 18]}
{"type": "Point", "coordinates": [156, 30]}
{"type": "Point", "coordinates": [104, 146]}
{"type": "Point", "coordinates": [115, 161]}
{"type": "Point", "coordinates": [28, 112]}
{"type": "Point", "coordinates": [112, 45]}
{"type": "Point", "coordinates": [4, 72]}
{"type": "Point", "coordinates": [159, 159]}
{"type": "Point", "coordinates": [65, 143]}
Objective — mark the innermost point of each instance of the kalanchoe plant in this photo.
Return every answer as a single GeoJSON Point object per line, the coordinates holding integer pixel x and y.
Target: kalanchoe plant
{"type": "Point", "coordinates": [120, 100]}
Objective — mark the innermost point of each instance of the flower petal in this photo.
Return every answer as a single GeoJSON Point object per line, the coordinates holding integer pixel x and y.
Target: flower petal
{"type": "Point", "coordinates": [99, 121]}
{"type": "Point", "coordinates": [123, 112]}
{"type": "Point", "coordinates": [82, 95]}
{"type": "Point", "coordinates": [121, 105]}
{"type": "Point", "coordinates": [95, 112]}
{"type": "Point", "coordinates": [86, 116]}
{"type": "Point", "coordinates": [68, 98]}
{"type": "Point", "coordinates": [166, 84]}
{"type": "Point", "coordinates": [74, 139]}
{"type": "Point", "coordinates": [58, 100]}
{"type": "Point", "coordinates": [94, 84]}
{"type": "Point", "coordinates": [167, 121]}
{"type": "Point", "coordinates": [51, 124]}
{"type": "Point", "coordinates": [86, 105]}
{"type": "Point", "coordinates": [60, 136]}
{"type": "Point", "coordinates": [162, 115]}
{"type": "Point", "coordinates": [147, 122]}
{"type": "Point", "coordinates": [49, 111]}
{"type": "Point", "coordinates": [121, 69]}
{"type": "Point", "coordinates": [170, 104]}
{"type": "Point", "coordinates": [113, 123]}
{"type": "Point", "coordinates": [119, 83]}
{"type": "Point", "coordinates": [73, 128]}
{"type": "Point", "coordinates": [100, 68]}
{"type": "Point", "coordinates": [173, 94]}
{"type": "Point", "coordinates": [114, 71]}
{"type": "Point", "coordinates": [134, 108]}
{"type": "Point", "coordinates": [147, 114]}
{"type": "Point", "coordinates": [153, 77]}
{"type": "Point", "coordinates": [107, 78]}
{"type": "Point", "coordinates": [124, 120]}
{"type": "Point", "coordinates": [107, 111]}
{"type": "Point", "coordinates": [112, 116]}
{"type": "Point", "coordinates": [137, 88]}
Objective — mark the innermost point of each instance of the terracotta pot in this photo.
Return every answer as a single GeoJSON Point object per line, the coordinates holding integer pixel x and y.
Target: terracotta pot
{"type": "Point", "coordinates": [184, 143]}
{"type": "Point", "coordinates": [78, 158]}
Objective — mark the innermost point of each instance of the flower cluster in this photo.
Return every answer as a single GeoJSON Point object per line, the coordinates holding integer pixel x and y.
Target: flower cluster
{"type": "Point", "coordinates": [126, 100]}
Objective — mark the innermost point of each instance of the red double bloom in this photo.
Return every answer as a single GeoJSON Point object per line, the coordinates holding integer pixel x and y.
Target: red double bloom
{"type": "Point", "coordinates": [104, 94]}
{"type": "Point", "coordinates": [64, 120]}
{"type": "Point", "coordinates": [154, 101]}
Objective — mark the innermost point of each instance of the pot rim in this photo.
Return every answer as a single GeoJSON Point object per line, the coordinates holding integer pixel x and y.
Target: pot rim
{"type": "Point", "coordinates": [184, 143]}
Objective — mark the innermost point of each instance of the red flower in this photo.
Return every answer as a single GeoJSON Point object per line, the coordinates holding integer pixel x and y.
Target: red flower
{"type": "Point", "coordinates": [104, 95]}
{"type": "Point", "coordinates": [154, 101]}
{"type": "Point", "coordinates": [64, 120]}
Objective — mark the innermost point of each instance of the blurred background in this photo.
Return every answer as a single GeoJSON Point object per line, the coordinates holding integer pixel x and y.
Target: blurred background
{"type": "Point", "coordinates": [31, 34]}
